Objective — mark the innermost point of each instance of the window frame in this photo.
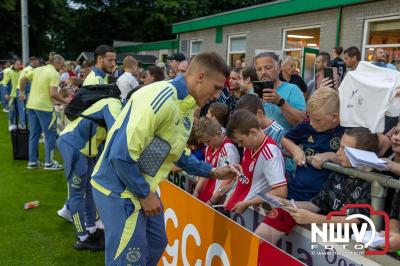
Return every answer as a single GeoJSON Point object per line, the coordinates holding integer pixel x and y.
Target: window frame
{"type": "Point", "coordinates": [191, 47]}
{"type": "Point", "coordinates": [366, 46]}
{"type": "Point", "coordinates": [284, 50]}
{"type": "Point", "coordinates": [235, 36]}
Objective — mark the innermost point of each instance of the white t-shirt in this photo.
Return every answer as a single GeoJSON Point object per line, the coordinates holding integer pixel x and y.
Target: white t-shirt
{"type": "Point", "coordinates": [228, 152]}
{"type": "Point", "coordinates": [367, 94]}
{"type": "Point", "coordinates": [269, 171]}
{"type": "Point", "coordinates": [126, 82]}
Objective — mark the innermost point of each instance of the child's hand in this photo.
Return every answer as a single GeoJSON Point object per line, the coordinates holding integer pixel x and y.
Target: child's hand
{"type": "Point", "coordinates": [301, 216]}
{"type": "Point", "coordinates": [319, 159]}
{"type": "Point", "coordinates": [240, 207]}
{"type": "Point", "coordinates": [299, 157]}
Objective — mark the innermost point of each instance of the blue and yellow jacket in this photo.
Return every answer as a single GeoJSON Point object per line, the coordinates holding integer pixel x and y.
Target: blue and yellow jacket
{"type": "Point", "coordinates": [163, 109]}
{"type": "Point", "coordinates": [95, 77]}
{"type": "Point", "coordinates": [81, 130]}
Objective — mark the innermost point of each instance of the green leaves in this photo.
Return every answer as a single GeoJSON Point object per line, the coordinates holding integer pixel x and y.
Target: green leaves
{"type": "Point", "coordinates": [72, 26]}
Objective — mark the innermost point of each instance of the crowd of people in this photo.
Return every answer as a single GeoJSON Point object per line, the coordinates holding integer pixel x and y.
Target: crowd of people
{"type": "Point", "coordinates": [227, 126]}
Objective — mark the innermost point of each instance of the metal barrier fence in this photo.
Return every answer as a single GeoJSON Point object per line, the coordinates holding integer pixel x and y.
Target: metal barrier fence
{"type": "Point", "coordinates": [379, 184]}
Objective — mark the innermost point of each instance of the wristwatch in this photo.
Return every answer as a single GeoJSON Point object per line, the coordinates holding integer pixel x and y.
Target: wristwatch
{"type": "Point", "coordinates": [281, 102]}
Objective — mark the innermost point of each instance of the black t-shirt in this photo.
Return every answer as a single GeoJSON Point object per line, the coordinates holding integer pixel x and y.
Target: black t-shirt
{"type": "Point", "coordinates": [340, 65]}
{"type": "Point", "coordinates": [341, 189]}
{"type": "Point", "coordinates": [297, 80]}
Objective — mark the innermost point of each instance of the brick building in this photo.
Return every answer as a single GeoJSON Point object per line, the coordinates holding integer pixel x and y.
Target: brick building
{"type": "Point", "coordinates": [295, 27]}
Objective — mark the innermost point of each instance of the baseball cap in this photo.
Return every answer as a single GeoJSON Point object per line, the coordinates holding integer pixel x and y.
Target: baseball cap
{"type": "Point", "coordinates": [178, 57]}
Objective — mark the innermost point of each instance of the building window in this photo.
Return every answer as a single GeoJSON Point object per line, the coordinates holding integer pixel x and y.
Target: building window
{"type": "Point", "coordinates": [295, 39]}
{"type": "Point", "coordinates": [382, 33]}
{"type": "Point", "coordinates": [236, 49]}
{"type": "Point", "coordinates": [196, 47]}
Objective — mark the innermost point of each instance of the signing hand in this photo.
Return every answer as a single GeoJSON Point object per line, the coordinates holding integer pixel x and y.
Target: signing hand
{"type": "Point", "coordinates": [151, 205]}
{"type": "Point", "coordinates": [394, 241]}
{"type": "Point", "coordinates": [270, 96]}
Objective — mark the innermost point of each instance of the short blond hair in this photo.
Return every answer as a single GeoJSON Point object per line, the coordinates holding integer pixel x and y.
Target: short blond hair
{"type": "Point", "coordinates": [324, 100]}
{"type": "Point", "coordinates": [207, 127]}
{"type": "Point", "coordinates": [129, 62]}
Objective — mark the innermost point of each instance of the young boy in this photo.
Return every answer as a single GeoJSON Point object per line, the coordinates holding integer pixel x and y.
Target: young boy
{"type": "Point", "coordinates": [220, 112]}
{"type": "Point", "coordinates": [336, 192]}
{"type": "Point", "coordinates": [219, 151]}
{"type": "Point", "coordinates": [262, 163]}
{"type": "Point", "coordinates": [319, 138]}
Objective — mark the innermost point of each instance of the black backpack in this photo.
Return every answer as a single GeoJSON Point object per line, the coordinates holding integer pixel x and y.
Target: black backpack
{"type": "Point", "coordinates": [86, 97]}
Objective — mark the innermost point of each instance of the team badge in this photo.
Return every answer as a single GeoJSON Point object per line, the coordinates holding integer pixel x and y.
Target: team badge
{"type": "Point", "coordinates": [335, 143]}
{"type": "Point", "coordinates": [186, 123]}
{"type": "Point", "coordinates": [272, 214]}
{"type": "Point", "coordinates": [310, 139]}
{"type": "Point", "coordinates": [133, 255]}
{"type": "Point", "coordinates": [76, 180]}
{"type": "Point", "coordinates": [356, 193]}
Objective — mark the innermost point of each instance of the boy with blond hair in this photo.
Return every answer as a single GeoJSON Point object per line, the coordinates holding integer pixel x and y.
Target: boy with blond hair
{"type": "Point", "coordinates": [318, 138]}
{"type": "Point", "coordinates": [219, 151]}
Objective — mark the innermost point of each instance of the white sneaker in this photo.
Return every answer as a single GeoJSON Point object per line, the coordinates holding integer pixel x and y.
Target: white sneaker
{"type": "Point", "coordinates": [12, 127]}
{"type": "Point", "coordinates": [99, 224]}
{"type": "Point", "coordinates": [32, 165]}
{"type": "Point", "coordinates": [53, 166]}
{"type": "Point", "coordinates": [5, 110]}
{"type": "Point", "coordinates": [65, 213]}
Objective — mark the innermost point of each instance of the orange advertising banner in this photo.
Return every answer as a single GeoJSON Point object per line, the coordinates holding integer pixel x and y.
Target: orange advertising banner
{"type": "Point", "coordinates": [198, 235]}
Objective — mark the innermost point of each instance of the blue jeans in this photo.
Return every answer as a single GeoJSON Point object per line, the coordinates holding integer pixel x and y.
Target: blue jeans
{"type": "Point", "coordinates": [3, 92]}
{"type": "Point", "coordinates": [41, 121]}
{"type": "Point", "coordinates": [12, 105]}
{"type": "Point", "coordinates": [21, 110]}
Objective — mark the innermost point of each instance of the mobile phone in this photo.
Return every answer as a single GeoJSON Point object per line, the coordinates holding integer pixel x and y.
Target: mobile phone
{"type": "Point", "coordinates": [259, 86]}
{"type": "Point", "coordinates": [328, 73]}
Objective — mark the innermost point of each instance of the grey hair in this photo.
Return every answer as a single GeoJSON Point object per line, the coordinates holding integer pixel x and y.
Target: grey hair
{"type": "Point", "coordinates": [288, 59]}
{"type": "Point", "coordinates": [272, 55]}
{"type": "Point", "coordinates": [56, 59]}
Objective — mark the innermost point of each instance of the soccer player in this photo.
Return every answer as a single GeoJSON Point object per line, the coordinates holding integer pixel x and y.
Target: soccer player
{"type": "Point", "coordinates": [78, 144]}
{"type": "Point", "coordinates": [12, 76]}
{"type": "Point", "coordinates": [262, 163]}
{"type": "Point", "coordinates": [219, 151]}
{"type": "Point", "coordinates": [44, 88]}
{"type": "Point", "coordinates": [147, 138]}
{"type": "Point", "coordinates": [104, 57]}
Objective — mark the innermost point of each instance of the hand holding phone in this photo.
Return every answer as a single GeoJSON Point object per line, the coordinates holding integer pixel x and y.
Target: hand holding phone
{"type": "Point", "coordinates": [328, 73]}
{"type": "Point", "coordinates": [259, 87]}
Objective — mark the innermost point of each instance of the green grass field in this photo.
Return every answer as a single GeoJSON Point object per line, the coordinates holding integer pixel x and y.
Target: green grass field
{"type": "Point", "coordinates": [37, 236]}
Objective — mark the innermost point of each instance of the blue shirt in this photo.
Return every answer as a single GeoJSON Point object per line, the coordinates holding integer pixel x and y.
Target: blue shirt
{"type": "Point", "coordinates": [293, 96]}
{"type": "Point", "coordinates": [308, 181]}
